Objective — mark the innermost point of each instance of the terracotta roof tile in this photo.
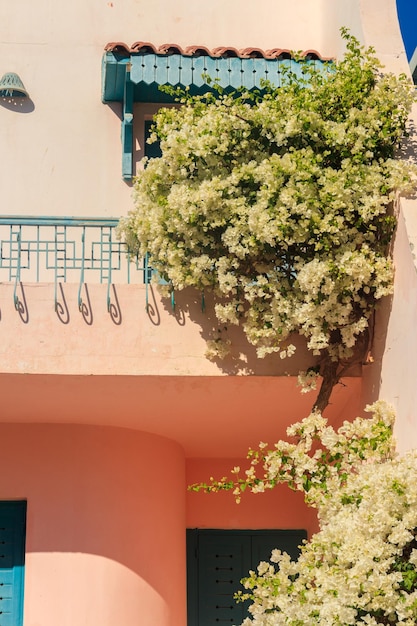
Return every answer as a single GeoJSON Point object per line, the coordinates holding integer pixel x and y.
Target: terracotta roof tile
{"type": "Point", "coordinates": [277, 53]}
{"type": "Point", "coordinates": [170, 48]}
{"type": "Point", "coordinates": [141, 46]}
{"type": "Point", "coordinates": [253, 53]}
{"type": "Point", "coordinates": [221, 51]}
{"type": "Point", "coordinates": [197, 51]}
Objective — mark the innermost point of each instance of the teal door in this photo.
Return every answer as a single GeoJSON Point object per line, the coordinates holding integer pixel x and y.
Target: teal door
{"type": "Point", "coordinates": [216, 562]}
{"type": "Point", "coordinates": [12, 561]}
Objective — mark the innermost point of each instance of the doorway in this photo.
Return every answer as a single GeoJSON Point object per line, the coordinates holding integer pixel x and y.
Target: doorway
{"type": "Point", "coordinates": [216, 562]}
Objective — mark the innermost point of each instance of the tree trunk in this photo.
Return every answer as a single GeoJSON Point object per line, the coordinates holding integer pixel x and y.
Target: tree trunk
{"type": "Point", "coordinates": [330, 375]}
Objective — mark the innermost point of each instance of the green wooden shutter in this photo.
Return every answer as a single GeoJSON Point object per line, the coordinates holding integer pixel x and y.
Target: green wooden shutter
{"type": "Point", "coordinates": [216, 562]}
{"type": "Point", "coordinates": [222, 559]}
{"type": "Point", "coordinates": [12, 561]}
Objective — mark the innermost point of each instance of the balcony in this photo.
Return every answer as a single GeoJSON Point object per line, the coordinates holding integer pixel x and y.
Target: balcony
{"type": "Point", "coordinates": [63, 250]}
{"type": "Point", "coordinates": [75, 271]}
{"type": "Point", "coordinates": [85, 337]}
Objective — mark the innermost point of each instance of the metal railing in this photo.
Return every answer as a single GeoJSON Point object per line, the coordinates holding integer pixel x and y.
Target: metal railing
{"type": "Point", "coordinates": [63, 250]}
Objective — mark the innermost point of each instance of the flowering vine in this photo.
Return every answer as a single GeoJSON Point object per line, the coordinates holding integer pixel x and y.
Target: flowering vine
{"type": "Point", "coordinates": [361, 567]}
{"type": "Point", "coordinates": [279, 203]}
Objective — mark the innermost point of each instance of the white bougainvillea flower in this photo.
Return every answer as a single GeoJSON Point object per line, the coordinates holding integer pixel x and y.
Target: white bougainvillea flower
{"type": "Point", "coordinates": [280, 203]}
{"type": "Point", "coordinates": [361, 567]}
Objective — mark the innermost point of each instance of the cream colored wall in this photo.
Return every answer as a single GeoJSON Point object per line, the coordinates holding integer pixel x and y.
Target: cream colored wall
{"type": "Point", "coordinates": [64, 156]}
{"type": "Point", "coordinates": [373, 23]}
{"type": "Point", "coordinates": [398, 369]}
{"type": "Point", "coordinates": [393, 376]}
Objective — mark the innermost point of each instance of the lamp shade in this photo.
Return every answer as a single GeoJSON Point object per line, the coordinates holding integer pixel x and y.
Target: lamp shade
{"type": "Point", "coordinates": [11, 86]}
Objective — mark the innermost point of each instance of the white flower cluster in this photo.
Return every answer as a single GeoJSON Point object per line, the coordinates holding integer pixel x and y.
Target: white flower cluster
{"type": "Point", "coordinates": [280, 204]}
{"type": "Point", "coordinates": [308, 380]}
{"type": "Point", "coordinates": [358, 569]}
{"type": "Point", "coordinates": [361, 567]}
{"type": "Point", "coordinates": [319, 471]}
{"type": "Point", "coordinates": [217, 348]}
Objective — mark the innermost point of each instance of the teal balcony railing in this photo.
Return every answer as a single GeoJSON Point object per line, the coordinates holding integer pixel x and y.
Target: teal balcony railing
{"type": "Point", "coordinates": [62, 250]}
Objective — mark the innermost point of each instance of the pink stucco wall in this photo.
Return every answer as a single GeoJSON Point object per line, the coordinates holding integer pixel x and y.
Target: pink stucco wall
{"type": "Point", "coordinates": [105, 526]}
{"type": "Point", "coordinates": [276, 509]}
{"type": "Point", "coordinates": [107, 512]}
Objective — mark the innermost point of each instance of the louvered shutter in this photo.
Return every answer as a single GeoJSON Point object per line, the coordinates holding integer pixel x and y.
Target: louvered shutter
{"type": "Point", "coordinates": [217, 560]}
{"type": "Point", "coordinates": [221, 561]}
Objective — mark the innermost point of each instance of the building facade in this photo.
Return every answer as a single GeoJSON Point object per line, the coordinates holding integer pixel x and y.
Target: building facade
{"type": "Point", "coordinates": [109, 406]}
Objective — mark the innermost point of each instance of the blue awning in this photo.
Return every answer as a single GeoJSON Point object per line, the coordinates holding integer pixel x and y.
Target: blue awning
{"type": "Point", "coordinates": [148, 72]}
{"type": "Point", "coordinates": [130, 77]}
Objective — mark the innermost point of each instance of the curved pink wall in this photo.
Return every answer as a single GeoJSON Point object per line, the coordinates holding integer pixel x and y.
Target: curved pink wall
{"type": "Point", "coordinates": [105, 527]}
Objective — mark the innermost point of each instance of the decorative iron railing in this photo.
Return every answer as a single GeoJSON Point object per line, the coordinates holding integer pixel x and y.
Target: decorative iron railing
{"type": "Point", "coordinates": [63, 250]}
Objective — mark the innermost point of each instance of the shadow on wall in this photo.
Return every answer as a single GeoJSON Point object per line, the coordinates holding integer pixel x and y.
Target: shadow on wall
{"type": "Point", "coordinates": [190, 306]}
{"type": "Point", "coordinates": [70, 304]}
{"type": "Point", "coordinates": [372, 372]}
{"type": "Point", "coordinates": [62, 308]}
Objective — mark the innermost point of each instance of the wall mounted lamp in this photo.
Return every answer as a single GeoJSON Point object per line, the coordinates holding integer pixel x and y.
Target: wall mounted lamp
{"type": "Point", "coordinates": [11, 86]}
